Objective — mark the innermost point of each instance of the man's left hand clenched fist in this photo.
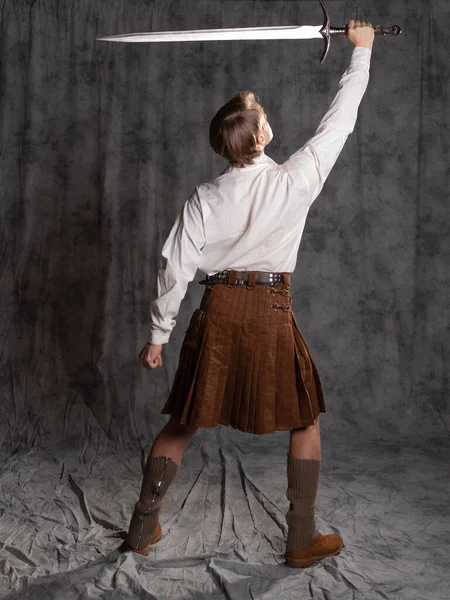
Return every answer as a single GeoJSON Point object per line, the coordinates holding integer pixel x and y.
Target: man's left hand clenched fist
{"type": "Point", "coordinates": [150, 355]}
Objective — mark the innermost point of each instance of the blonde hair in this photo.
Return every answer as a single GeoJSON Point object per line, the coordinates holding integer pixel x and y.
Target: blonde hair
{"type": "Point", "coordinates": [234, 129]}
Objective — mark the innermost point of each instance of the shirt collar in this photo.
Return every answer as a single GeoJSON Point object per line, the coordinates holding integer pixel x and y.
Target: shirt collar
{"type": "Point", "coordinates": [258, 161]}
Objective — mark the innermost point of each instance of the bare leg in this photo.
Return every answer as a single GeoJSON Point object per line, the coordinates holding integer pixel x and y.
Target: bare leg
{"type": "Point", "coordinates": [172, 440]}
{"type": "Point", "coordinates": [305, 442]}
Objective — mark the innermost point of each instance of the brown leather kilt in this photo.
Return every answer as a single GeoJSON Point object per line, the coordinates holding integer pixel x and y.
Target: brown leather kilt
{"type": "Point", "coordinates": [245, 363]}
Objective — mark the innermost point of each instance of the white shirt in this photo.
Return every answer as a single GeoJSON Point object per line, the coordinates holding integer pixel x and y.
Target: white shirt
{"type": "Point", "coordinates": [252, 218]}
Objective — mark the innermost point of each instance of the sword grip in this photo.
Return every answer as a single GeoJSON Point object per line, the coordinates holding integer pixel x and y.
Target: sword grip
{"type": "Point", "coordinates": [378, 30]}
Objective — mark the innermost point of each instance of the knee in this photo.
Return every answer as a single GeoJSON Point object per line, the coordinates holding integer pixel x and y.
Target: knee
{"type": "Point", "coordinates": [181, 429]}
{"type": "Point", "coordinates": [308, 428]}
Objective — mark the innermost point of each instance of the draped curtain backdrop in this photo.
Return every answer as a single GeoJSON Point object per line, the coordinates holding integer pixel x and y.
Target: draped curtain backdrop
{"type": "Point", "coordinates": [101, 144]}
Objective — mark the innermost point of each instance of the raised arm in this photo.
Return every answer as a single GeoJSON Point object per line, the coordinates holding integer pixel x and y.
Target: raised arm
{"type": "Point", "coordinates": [180, 257]}
{"type": "Point", "coordinates": [314, 161]}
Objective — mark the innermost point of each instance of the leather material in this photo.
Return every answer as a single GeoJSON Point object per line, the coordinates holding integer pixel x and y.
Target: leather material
{"type": "Point", "coordinates": [232, 277]}
{"type": "Point", "coordinates": [326, 545]}
{"type": "Point", "coordinates": [159, 474]}
{"type": "Point", "coordinates": [125, 547]}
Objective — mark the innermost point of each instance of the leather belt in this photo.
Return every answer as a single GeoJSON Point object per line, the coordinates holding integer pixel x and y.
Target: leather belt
{"type": "Point", "coordinates": [242, 277]}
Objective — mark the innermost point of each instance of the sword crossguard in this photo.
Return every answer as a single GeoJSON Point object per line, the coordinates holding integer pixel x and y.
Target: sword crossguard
{"type": "Point", "coordinates": [327, 31]}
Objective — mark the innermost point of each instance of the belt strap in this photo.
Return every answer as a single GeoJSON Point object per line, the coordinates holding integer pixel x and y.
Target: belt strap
{"type": "Point", "coordinates": [232, 277]}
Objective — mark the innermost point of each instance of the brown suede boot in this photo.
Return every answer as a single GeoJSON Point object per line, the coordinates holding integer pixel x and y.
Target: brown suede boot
{"type": "Point", "coordinates": [144, 528]}
{"type": "Point", "coordinates": [304, 543]}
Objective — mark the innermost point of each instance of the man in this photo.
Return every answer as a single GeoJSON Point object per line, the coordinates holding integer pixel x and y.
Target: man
{"type": "Point", "coordinates": [247, 224]}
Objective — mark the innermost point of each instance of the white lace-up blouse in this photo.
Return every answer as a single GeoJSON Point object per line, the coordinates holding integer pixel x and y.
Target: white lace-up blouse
{"type": "Point", "coordinates": [252, 218]}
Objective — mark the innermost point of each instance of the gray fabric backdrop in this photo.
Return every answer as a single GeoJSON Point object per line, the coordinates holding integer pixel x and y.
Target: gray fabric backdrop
{"type": "Point", "coordinates": [101, 144]}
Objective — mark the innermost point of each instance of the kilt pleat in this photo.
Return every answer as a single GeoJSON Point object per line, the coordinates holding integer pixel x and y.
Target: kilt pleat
{"type": "Point", "coordinates": [307, 376]}
{"type": "Point", "coordinates": [245, 363]}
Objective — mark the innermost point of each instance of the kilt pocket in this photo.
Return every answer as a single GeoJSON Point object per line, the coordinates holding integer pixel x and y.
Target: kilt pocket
{"type": "Point", "coordinates": [193, 332]}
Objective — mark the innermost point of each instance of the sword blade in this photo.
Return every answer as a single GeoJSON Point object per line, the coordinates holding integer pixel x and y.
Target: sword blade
{"type": "Point", "coordinates": [289, 32]}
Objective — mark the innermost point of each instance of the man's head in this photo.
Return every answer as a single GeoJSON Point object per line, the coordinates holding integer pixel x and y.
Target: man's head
{"type": "Point", "coordinates": [239, 131]}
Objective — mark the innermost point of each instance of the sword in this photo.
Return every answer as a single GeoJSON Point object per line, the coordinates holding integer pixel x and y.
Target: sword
{"type": "Point", "coordinates": [286, 32]}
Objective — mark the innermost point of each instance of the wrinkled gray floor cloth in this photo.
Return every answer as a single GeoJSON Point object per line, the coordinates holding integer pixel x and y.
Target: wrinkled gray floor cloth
{"type": "Point", "coordinates": [65, 509]}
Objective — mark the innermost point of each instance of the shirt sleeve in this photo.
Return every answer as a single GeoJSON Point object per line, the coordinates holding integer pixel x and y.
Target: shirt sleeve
{"type": "Point", "coordinates": [314, 161]}
{"type": "Point", "coordinates": [180, 257]}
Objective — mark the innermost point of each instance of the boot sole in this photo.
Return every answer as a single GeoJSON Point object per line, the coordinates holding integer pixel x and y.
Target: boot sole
{"type": "Point", "coordinates": [300, 563]}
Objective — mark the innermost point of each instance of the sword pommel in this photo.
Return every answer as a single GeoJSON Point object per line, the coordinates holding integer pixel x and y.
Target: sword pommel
{"type": "Point", "coordinates": [394, 30]}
